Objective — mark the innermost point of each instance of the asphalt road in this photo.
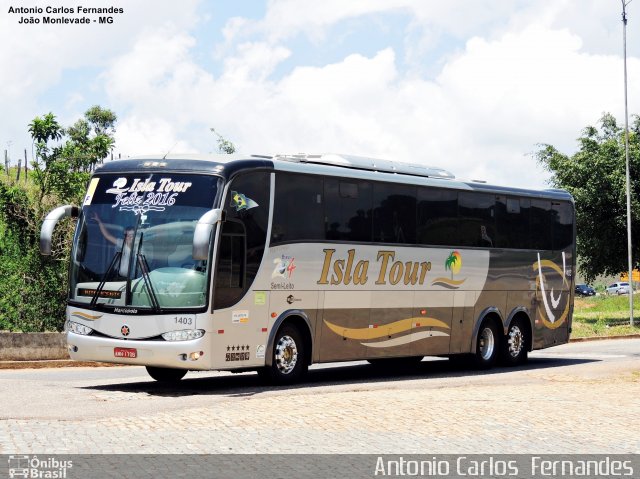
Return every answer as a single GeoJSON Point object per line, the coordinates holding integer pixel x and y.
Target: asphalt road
{"type": "Point", "coordinates": [576, 398]}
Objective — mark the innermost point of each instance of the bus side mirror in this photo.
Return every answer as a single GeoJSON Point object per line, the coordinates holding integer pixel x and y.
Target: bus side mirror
{"type": "Point", "coordinates": [202, 233]}
{"type": "Point", "coordinates": [49, 224]}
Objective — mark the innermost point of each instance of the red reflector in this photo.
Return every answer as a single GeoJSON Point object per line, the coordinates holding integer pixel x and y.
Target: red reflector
{"type": "Point", "coordinates": [274, 315]}
{"type": "Point", "coordinates": [375, 326]}
{"type": "Point", "coordinates": [264, 330]}
{"type": "Point", "coordinates": [424, 311]}
{"type": "Point", "coordinates": [220, 331]}
{"type": "Point", "coordinates": [417, 325]}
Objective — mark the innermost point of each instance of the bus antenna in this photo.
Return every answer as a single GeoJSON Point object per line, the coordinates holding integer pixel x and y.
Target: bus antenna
{"type": "Point", "coordinates": [169, 151]}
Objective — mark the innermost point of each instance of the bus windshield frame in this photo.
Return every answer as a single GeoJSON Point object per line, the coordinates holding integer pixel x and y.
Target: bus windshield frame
{"type": "Point", "coordinates": [133, 243]}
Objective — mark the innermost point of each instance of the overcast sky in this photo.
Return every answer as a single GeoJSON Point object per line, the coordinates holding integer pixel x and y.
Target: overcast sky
{"type": "Point", "coordinates": [472, 86]}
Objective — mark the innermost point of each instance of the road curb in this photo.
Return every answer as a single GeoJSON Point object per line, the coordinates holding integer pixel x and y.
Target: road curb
{"type": "Point", "coordinates": [602, 338]}
{"type": "Point", "coordinates": [55, 363]}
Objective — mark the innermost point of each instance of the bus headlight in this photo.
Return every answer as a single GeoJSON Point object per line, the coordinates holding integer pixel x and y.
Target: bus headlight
{"type": "Point", "coordinates": [78, 328]}
{"type": "Point", "coordinates": [184, 335]}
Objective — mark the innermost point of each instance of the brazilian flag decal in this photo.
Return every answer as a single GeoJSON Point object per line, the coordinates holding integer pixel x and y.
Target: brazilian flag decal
{"type": "Point", "coordinates": [241, 202]}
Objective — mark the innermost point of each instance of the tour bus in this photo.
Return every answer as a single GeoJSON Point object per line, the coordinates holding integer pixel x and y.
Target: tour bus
{"type": "Point", "coordinates": [274, 263]}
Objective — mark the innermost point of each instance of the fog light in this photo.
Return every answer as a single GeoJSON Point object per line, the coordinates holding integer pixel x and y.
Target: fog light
{"type": "Point", "coordinates": [72, 349]}
{"type": "Point", "coordinates": [195, 356]}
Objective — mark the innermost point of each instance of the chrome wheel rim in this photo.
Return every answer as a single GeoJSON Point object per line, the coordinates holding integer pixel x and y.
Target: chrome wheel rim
{"type": "Point", "coordinates": [487, 344]}
{"type": "Point", "coordinates": [286, 354]}
{"type": "Point", "coordinates": [515, 340]}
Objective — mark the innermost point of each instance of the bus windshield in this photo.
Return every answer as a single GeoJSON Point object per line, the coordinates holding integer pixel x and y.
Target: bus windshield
{"type": "Point", "coordinates": [133, 244]}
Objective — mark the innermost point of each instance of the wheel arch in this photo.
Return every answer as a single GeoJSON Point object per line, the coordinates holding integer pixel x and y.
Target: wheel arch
{"type": "Point", "coordinates": [491, 313]}
{"type": "Point", "coordinates": [299, 319]}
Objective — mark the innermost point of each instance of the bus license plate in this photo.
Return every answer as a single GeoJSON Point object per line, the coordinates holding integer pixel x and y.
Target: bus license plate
{"type": "Point", "coordinates": [125, 353]}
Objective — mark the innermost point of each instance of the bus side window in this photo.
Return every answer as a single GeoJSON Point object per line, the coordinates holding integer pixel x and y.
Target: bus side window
{"type": "Point", "coordinates": [348, 206]}
{"type": "Point", "coordinates": [394, 213]}
{"type": "Point", "coordinates": [512, 222]}
{"type": "Point", "coordinates": [562, 216]}
{"type": "Point", "coordinates": [477, 219]}
{"type": "Point", "coordinates": [541, 225]}
{"type": "Point", "coordinates": [230, 273]}
{"type": "Point", "coordinates": [437, 217]}
{"type": "Point", "coordinates": [298, 211]}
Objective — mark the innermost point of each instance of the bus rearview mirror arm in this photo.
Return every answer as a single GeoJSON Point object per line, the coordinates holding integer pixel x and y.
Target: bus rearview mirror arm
{"type": "Point", "coordinates": [202, 233]}
{"type": "Point", "coordinates": [49, 224]}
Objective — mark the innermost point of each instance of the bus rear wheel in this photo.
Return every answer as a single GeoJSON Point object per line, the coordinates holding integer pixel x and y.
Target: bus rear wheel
{"type": "Point", "coordinates": [515, 345]}
{"type": "Point", "coordinates": [487, 345]}
{"type": "Point", "coordinates": [288, 361]}
{"type": "Point", "coordinates": [166, 375]}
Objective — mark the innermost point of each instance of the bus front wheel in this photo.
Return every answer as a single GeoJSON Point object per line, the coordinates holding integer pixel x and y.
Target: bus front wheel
{"type": "Point", "coordinates": [288, 361]}
{"type": "Point", "coordinates": [166, 375]}
{"type": "Point", "coordinates": [487, 345]}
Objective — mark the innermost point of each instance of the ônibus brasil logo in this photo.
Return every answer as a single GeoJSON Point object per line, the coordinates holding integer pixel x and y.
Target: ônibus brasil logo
{"type": "Point", "coordinates": [27, 466]}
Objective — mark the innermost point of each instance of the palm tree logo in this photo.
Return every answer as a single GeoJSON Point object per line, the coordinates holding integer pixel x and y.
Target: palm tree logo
{"type": "Point", "coordinates": [453, 263]}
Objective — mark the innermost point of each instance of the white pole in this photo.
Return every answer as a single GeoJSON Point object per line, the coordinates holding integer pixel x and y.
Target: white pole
{"type": "Point", "coordinates": [626, 150]}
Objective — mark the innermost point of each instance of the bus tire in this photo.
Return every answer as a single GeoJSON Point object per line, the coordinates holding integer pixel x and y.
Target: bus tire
{"type": "Point", "coordinates": [487, 345]}
{"type": "Point", "coordinates": [166, 375]}
{"type": "Point", "coordinates": [288, 361]}
{"type": "Point", "coordinates": [515, 344]}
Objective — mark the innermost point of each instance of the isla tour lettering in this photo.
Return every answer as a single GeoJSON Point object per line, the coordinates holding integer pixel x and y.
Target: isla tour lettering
{"type": "Point", "coordinates": [350, 271]}
{"type": "Point", "coordinates": [146, 195]}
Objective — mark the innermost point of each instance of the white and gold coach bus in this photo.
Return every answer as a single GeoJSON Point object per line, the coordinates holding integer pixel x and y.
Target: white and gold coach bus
{"type": "Point", "coordinates": [275, 263]}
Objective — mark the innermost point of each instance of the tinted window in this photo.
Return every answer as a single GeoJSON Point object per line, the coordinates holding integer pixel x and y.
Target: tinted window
{"type": "Point", "coordinates": [437, 217]}
{"type": "Point", "coordinates": [348, 210]}
{"type": "Point", "coordinates": [477, 219]}
{"type": "Point", "coordinates": [230, 274]}
{"type": "Point", "coordinates": [562, 217]}
{"type": "Point", "coordinates": [298, 212]}
{"type": "Point", "coordinates": [541, 225]}
{"type": "Point", "coordinates": [512, 222]}
{"type": "Point", "coordinates": [394, 213]}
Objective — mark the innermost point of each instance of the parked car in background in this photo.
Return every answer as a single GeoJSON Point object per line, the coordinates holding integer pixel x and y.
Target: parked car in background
{"type": "Point", "coordinates": [618, 288]}
{"type": "Point", "coordinates": [585, 290]}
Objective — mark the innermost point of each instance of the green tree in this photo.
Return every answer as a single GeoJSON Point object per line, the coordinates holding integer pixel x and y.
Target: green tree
{"type": "Point", "coordinates": [33, 288]}
{"type": "Point", "coordinates": [595, 176]}
{"type": "Point", "coordinates": [44, 130]}
{"type": "Point", "coordinates": [64, 169]}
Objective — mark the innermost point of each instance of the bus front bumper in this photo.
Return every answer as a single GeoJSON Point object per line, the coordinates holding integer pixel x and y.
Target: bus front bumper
{"type": "Point", "coordinates": [193, 354]}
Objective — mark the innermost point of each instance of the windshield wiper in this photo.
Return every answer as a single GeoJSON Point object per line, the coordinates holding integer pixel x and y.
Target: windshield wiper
{"type": "Point", "coordinates": [144, 269]}
{"type": "Point", "coordinates": [103, 280]}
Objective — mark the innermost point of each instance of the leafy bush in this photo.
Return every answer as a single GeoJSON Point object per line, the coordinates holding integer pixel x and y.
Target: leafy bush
{"type": "Point", "coordinates": [33, 288]}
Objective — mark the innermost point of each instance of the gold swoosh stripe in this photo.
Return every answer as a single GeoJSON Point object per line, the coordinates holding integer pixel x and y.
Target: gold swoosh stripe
{"type": "Point", "coordinates": [451, 282]}
{"type": "Point", "coordinates": [385, 329]}
{"type": "Point", "coordinates": [86, 316]}
{"type": "Point", "coordinates": [406, 339]}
